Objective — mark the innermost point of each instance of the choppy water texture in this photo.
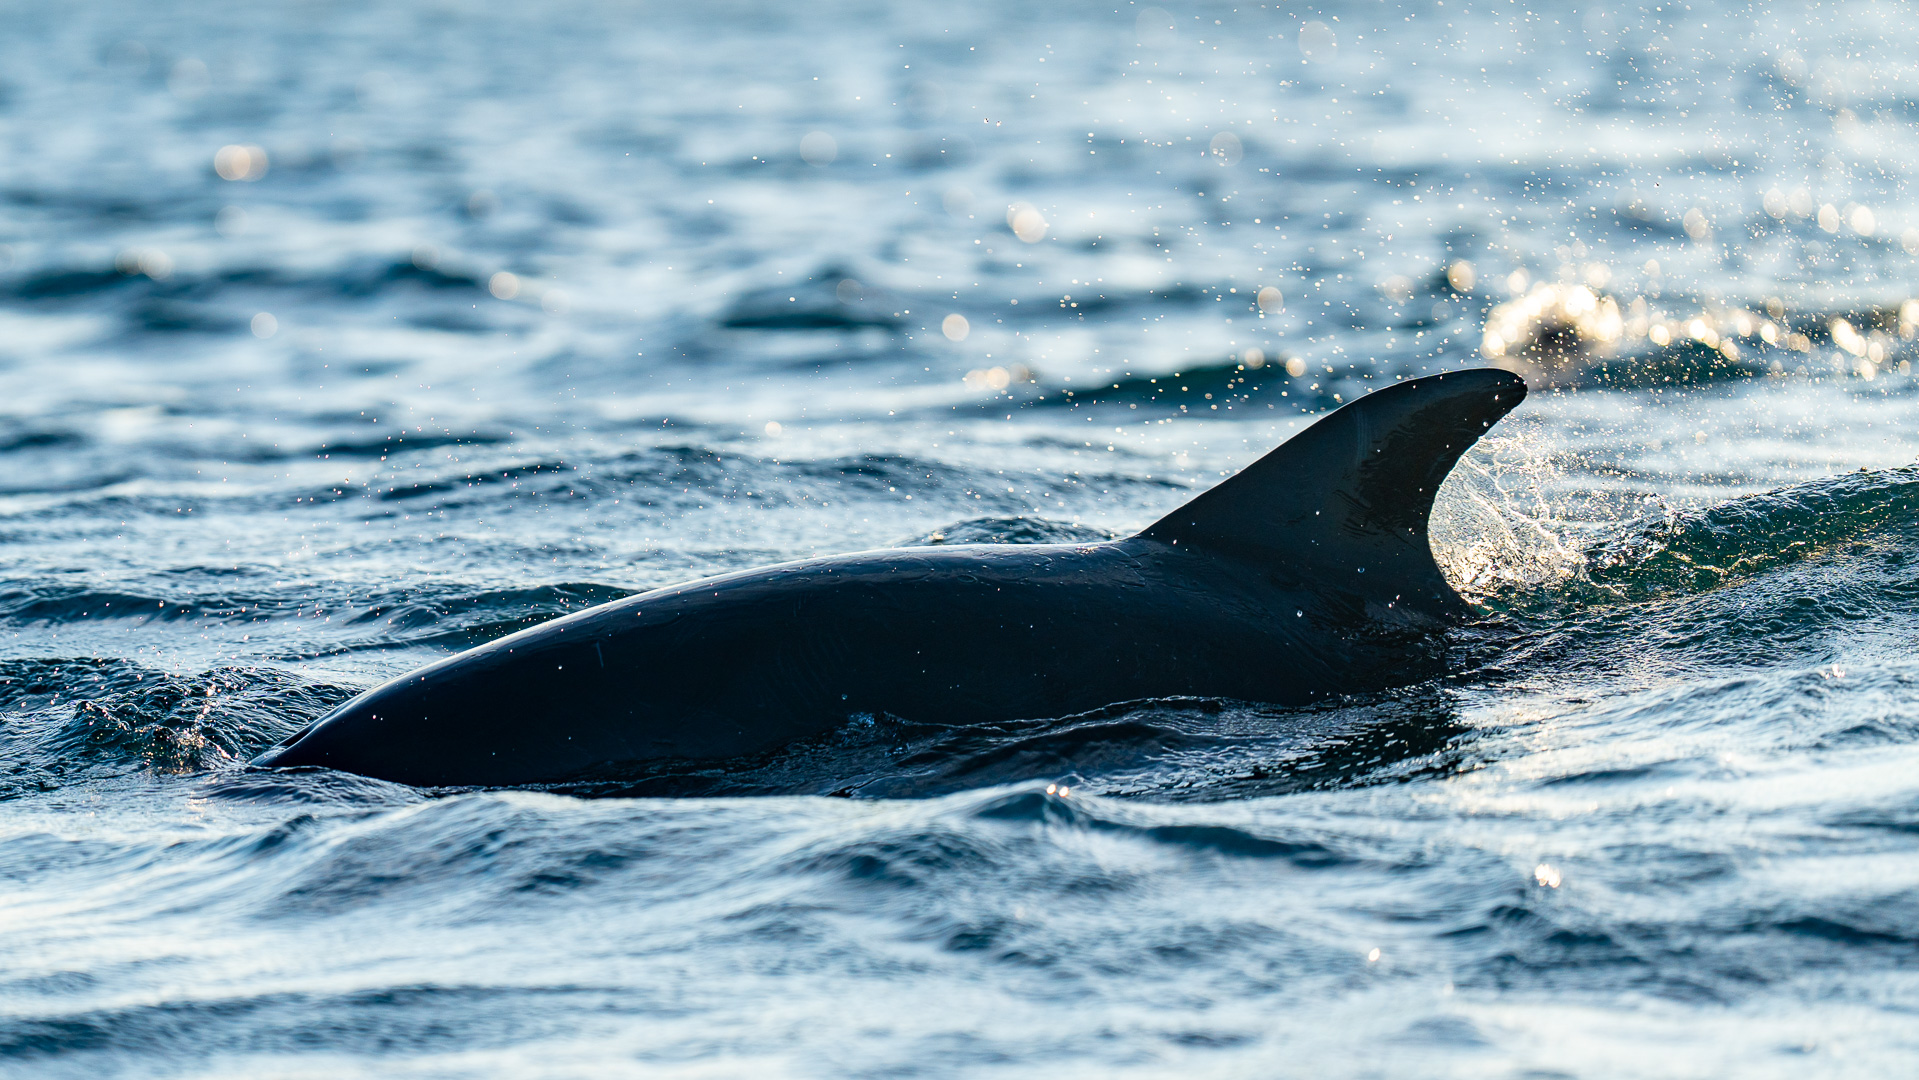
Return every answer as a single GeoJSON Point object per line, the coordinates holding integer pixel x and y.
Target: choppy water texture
{"type": "Point", "coordinates": [335, 336]}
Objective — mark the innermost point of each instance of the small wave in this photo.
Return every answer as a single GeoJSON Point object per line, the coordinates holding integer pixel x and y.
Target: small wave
{"type": "Point", "coordinates": [369, 1021]}
{"type": "Point", "coordinates": [368, 277]}
{"type": "Point", "coordinates": [908, 861]}
{"type": "Point", "coordinates": [390, 444]}
{"type": "Point", "coordinates": [54, 605]}
{"type": "Point", "coordinates": [1009, 530]}
{"type": "Point", "coordinates": [1685, 363]}
{"type": "Point", "coordinates": [1688, 551]}
{"type": "Point", "coordinates": [462, 620]}
{"type": "Point", "coordinates": [85, 717]}
{"type": "Point", "coordinates": [61, 283]}
{"type": "Point", "coordinates": [830, 299]}
{"type": "Point", "coordinates": [306, 786]}
{"type": "Point", "coordinates": [436, 614]}
{"type": "Point", "coordinates": [1496, 535]}
{"type": "Point", "coordinates": [469, 850]}
{"type": "Point", "coordinates": [15, 438]}
{"type": "Point", "coordinates": [1208, 389]}
{"type": "Point", "coordinates": [490, 607]}
{"type": "Point", "coordinates": [1857, 931]}
{"type": "Point", "coordinates": [1050, 808]}
{"type": "Point", "coordinates": [361, 276]}
{"type": "Point", "coordinates": [990, 834]}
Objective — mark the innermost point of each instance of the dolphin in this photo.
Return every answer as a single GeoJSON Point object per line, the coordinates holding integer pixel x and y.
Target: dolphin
{"type": "Point", "coordinates": [1306, 575]}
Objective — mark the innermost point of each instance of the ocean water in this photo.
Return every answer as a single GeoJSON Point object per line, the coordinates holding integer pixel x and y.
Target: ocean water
{"type": "Point", "coordinates": [339, 336]}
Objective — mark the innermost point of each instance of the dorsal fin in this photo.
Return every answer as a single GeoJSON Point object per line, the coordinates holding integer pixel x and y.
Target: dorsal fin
{"type": "Point", "coordinates": [1347, 499]}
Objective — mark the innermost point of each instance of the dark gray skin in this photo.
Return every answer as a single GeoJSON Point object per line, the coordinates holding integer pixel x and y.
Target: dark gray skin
{"type": "Point", "coordinates": [1308, 574]}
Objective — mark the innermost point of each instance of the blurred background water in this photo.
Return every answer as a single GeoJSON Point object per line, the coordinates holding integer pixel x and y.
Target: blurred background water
{"type": "Point", "coordinates": [337, 336]}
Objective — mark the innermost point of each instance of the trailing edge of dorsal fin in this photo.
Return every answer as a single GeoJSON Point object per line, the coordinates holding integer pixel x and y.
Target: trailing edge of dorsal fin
{"type": "Point", "coordinates": [1347, 499]}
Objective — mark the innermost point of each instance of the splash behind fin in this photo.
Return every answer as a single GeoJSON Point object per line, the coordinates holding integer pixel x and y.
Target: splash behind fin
{"type": "Point", "coordinates": [1347, 499]}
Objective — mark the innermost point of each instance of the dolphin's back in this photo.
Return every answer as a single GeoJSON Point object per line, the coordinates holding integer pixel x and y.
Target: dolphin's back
{"type": "Point", "coordinates": [1299, 577]}
{"type": "Point", "coordinates": [746, 663]}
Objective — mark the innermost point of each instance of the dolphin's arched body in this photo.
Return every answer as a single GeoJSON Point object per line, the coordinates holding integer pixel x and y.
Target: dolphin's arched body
{"type": "Point", "coordinates": [1305, 575]}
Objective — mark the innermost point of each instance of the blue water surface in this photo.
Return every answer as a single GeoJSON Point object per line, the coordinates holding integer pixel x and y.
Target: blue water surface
{"type": "Point", "coordinates": [337, 336]}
